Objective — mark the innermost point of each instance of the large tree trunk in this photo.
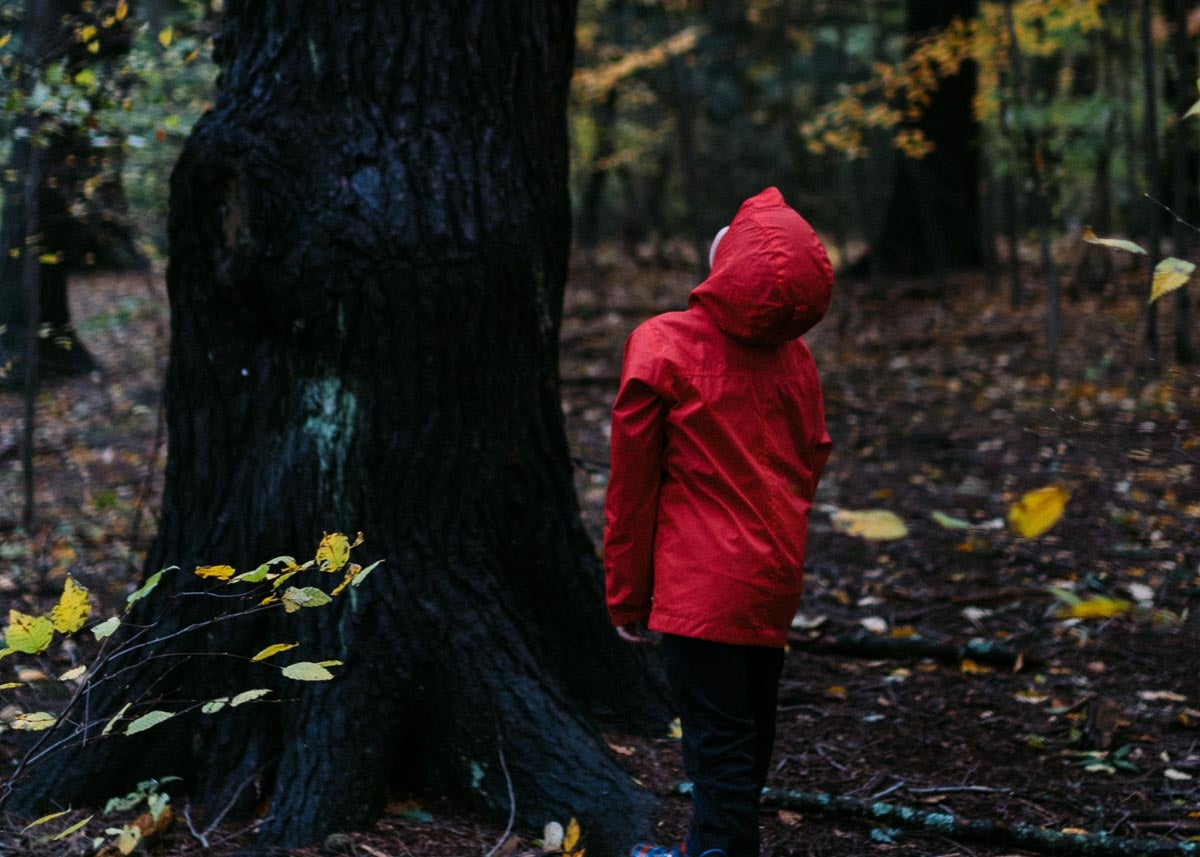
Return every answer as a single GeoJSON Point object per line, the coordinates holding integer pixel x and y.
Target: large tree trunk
{"type": "Point", "coordinates": [932, 220]}
{"type": "Point", "coordinates": [368, 246]}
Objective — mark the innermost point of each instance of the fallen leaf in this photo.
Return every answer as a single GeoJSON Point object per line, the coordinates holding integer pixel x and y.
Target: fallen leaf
{"type": "Point", "coordinates": [874, 624]}
{"type": "Point", "coordinates": [552, 837]}
{"type": "Point", "coordinates": [1169, 274]}
{"type": "Point", "coordinates": [1116, 243]}
{"type": "Point", "coordinates": [1095, 608]}
{"type": "Point", "coordinates": [1161, 696]}
{"type": "Point", "coordinates": [949, 522]}
{"type": "Point", "coordinates": [1037, 511]}
{"type": "Point", "coordinates": [870, 524]}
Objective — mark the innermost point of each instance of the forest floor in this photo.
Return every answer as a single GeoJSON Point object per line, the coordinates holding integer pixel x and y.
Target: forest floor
{"type": "Point", "coordinates": [935, 406]}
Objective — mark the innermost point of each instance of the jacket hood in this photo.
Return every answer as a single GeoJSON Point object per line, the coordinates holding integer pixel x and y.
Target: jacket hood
{"type": "Point", "coordinates": [771, 279]}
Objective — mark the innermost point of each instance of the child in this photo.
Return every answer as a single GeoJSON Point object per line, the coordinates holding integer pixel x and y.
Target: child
{"type": "Point", "coordinates": [718, 443]}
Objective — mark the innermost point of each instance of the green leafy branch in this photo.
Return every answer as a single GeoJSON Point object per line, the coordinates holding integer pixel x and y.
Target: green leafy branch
{"type": "Point", "coordinates": [273, 583]}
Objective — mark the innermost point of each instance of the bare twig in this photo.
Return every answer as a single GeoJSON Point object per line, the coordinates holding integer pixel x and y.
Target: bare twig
{"type": "Point", "coordinates": [216, 822]}
{"type": "Point", "coordinates": [200, 837]}
{"type": "Point", "coordinates": [512, 798]}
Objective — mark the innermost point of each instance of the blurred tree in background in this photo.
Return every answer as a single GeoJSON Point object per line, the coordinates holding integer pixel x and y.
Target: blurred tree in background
{"type": "Point", "coordinates": [99, 101]}
{"type": "Point", "coordinates": [997, 119]}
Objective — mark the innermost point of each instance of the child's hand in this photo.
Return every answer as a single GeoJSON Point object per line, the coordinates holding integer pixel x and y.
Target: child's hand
{"type": "Point", "coordinates": [638, 634]}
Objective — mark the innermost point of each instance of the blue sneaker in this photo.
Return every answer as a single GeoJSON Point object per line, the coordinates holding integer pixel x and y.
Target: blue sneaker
{"type": "Point", "coordinates": [647, 849]}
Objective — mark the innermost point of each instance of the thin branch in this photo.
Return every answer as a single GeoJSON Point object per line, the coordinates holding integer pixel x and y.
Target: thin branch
{"type": "Point", "coordinates": [200, 837]}
{"type": "Point", "coordinates": [512, 798]}
{"type": "Point", "coordinates": [216, 822]}
{"type": "Point", "coordinates": [1169, 211]}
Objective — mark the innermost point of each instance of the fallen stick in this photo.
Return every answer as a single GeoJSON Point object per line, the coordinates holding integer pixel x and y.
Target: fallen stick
{"type": "Point", "coordinates": [866, 645]}
{"type": "Point", "coordinates": [980, 830]}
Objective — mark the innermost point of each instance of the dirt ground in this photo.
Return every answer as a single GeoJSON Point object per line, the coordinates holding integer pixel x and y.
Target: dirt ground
{"type": "Point", "coordinates": [935, 406]}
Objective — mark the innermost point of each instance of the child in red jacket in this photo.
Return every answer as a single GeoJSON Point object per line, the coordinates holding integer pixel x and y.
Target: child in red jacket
{"type": "Point", "coordinates": [718, 443]}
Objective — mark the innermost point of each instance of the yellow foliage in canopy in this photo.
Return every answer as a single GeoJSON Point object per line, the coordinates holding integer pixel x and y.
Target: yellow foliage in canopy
{"type": "Point", "coordinates": [591, 84]}
{"type": "Point", "coordinates": [901, 91]}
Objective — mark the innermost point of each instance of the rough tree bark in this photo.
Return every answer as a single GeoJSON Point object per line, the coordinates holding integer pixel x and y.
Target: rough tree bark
{"type": "Point", "coordinates": [368, 248]}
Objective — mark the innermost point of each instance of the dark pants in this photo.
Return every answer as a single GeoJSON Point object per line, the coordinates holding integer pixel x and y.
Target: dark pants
{"type": "Point", "coordinates": [725, 696]}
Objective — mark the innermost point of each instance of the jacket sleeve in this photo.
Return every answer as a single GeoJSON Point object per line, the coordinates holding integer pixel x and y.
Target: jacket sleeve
{"type": "Point", "coordinates": [636, 460]}
{"type": "Point", "coordinates": [823, 444]}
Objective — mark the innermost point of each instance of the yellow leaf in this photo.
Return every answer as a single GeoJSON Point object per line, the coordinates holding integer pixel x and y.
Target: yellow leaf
{"type": "Point", "coordinates": [248, 696]}
{"type": "Point", "coordinates": [50, 258]}
{"type": "Point", "coordinates": [571, 839]}
{"type": "Point", "coordinates": [972, 668]}
{"type": "Point", "coordinates": [269, 651]}
{"type": "Point", "coordinates": [1169, 274]}
{"type": "Point", "coordinates": [11, 685]}
{"type": "Point", "coordinates": [148, 721]}
{"type": "Point", "coordinates": [35, 721]}
{"type": "Point", "coordinates": [106, 628]}
{"type": "Point", "coordinates": [870, 524]}
{"type": "Point", "coordinates": [44, 819]}
{"type": "Point", "coordinates": [166, 37]}
{"type": "Point", "coordinates": [87, 33]}
{"type": "Point", "coordinates": [94, 46]}
{"type": "Point", "coordinates": [28, 634]}
{"type": "Point", "coordinates": [1037, 511]}
{"type": "Point", "coordinates": [72, 609]}
{"type": "Point", "coordinates": [220, 572]}
{"type": "Point", "coordinates": [334, 551]}
{"type": "Point", "coordinates": [76, 826]}
{"type": "Point", "coordinates": [1095, 608]}
{"type": "Point", "coordinates": [116, 717]}
{"type": "Point", "coordinates": [5, 39]}
{"type": "Point", "coordinates": [675, 729]}
{"type": "Point", "coordinates": [1118, 243]}
{"type": "Point", "coordinates": [122, 9]}
{"type": "Point", "coordinates": [307, 671]}
{"type": "Point", "coordinates": [128, 838]}
{"type": "Point", "coordinates": [351, 573]}
{"type": "Point", "coordinates": [72, 674]}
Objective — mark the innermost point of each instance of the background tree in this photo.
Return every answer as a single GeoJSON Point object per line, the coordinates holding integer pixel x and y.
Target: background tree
{"type": "Point", "coordinates": [61, 41]}
{"type": "Point", "coordinates": [932, 220]}
{"type": "Point", "coordinates": [368, 246]}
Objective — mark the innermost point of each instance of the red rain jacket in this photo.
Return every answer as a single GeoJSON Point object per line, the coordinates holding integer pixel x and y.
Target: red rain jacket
{"type": "Point", "coordinates": [719, 441]}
